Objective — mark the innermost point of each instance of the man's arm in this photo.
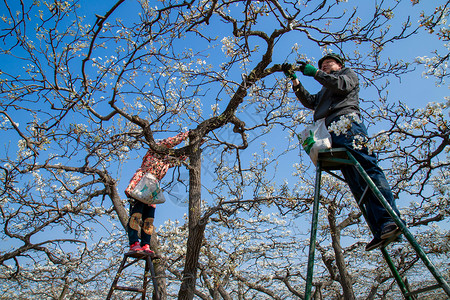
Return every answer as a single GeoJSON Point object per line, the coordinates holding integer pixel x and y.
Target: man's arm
{"type": "Point", "coordinates": [303, 95]}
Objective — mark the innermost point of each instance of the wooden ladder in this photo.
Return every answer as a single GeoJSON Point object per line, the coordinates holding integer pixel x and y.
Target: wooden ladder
{"type": "Point", "coordinates": [134, 258]}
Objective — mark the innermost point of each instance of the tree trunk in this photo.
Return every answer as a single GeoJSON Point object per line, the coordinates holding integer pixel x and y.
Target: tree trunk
{"type": "Point", "coordinates": [160, 269]}
{"type": "Point", "coordinates": [344, 277]}
{"type": "Point", "coordinates": [196, 228]}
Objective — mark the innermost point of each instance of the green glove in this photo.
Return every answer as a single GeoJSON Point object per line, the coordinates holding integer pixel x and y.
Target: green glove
{"type": "Point", "coordinates": [307, 69]}
{"type": "Point", "coordinates": [288, 71]}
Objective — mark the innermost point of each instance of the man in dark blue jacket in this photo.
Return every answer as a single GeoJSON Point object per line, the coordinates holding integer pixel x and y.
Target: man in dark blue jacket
{"type": "Point", "coordinates": [338, 101]}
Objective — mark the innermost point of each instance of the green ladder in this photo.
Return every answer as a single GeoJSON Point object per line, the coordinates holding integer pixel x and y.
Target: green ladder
{"type": "Point", "coordinates": [334, 159]}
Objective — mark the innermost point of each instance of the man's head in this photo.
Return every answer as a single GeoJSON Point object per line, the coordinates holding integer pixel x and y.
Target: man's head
{"type": "Point", "coordinates": [331, 62]}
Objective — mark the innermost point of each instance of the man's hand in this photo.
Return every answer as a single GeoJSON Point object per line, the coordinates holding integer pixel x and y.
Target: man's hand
{"type": "Point", "coordinates": [307, 69]}
{"type": "Point", "coordinates": [288, 71]}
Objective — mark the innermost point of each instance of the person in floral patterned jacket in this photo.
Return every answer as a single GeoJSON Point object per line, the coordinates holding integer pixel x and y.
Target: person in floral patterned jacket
{"type": "Point", "coordinates": [142, 215]}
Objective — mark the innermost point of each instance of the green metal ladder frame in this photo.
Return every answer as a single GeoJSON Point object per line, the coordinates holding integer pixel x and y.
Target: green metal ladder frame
{"type": "Point", "coordinates": [333, 159]}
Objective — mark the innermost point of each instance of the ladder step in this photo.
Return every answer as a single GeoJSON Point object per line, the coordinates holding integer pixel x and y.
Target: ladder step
{"type": "Point", "coordinates": [131, 289]}
{"type": "Point", "coordinates": [423, 290]}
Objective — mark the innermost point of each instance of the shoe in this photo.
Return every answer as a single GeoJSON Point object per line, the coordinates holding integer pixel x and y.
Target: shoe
{"type": "Point", "coordinates": [135, 247]}
{"type": "Point", "coordinates": [393, 238]}
{"type": "Point", "coordinates": [374, 244]}
{"type": "Point", "coordinates": [146, 249]}
{"type": "Point", "coordinates": [390, 231]}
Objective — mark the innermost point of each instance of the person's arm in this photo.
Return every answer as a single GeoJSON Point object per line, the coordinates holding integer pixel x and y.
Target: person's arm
{"type": "Point", "coordinates": [306, 99]}
{"type": "Point", "coordinates": [302, 94]}
{"type": "Point", "coordinates": [174, 140]}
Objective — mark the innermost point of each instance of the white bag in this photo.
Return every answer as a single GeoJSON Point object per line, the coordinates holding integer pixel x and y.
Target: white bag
{"type": "Point", "coordinates": [314, 138]}
{"type": "Point", "coordinates": [148, 191]}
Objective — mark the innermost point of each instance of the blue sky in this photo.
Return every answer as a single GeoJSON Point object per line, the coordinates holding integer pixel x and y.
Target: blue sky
{"type": "Point", "coordinates": [413, 89]}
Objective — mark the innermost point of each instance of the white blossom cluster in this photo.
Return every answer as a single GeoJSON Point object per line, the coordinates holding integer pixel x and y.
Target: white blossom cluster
{"type": "Point", "coordinates": [344, 124]}
{"type": "Point", "coordinates": [229, 46]}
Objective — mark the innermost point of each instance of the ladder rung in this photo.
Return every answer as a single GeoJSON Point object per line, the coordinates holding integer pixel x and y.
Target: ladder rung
{"type": "Point", "coordinates": [131, 289]}
{"type": "Point", "coordinates": [423, 290]}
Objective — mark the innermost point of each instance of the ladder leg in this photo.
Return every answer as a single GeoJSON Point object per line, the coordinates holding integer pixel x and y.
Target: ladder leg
{"type": "Point", "coordinates": [387, 258]}
{"type": "Point", "coordinates": [334, 159]}
{"type": "Point", "coordinates": [148, 271]}
{"type": "Point", "coordinates": [422, 255]}
{"type": "Point", "coordinates": [398, 278]}
{"type": "Point", "coordinates": [312, 240]}
{"type": "Point", "coordinates": [114, 284]}
{"type": "Point", "coordinates": [149, 267]}
{"type": "Point", "coordinates": [144, 283]}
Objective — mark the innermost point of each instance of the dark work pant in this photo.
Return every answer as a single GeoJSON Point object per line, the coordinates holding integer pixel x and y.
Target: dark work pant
{"type": "Point", "coordinates": [141, 213]}
{"type": "Point", "coordinates": [377, 215]}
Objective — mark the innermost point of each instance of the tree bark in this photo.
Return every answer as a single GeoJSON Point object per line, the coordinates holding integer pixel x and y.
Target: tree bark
{"type": "Point", "coordinates": [344, 279]}
{"type": "Point", "coordinates": [160, 269]}
{"type": "Point", "coordinates": [196, 228]}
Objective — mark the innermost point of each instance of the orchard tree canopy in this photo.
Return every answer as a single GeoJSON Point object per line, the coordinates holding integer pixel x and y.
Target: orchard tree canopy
{"type": "Point", "coordinates": [87, 88]}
